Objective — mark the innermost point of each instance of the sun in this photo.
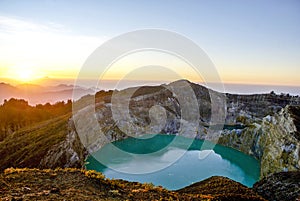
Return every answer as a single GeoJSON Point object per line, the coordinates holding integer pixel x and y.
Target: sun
{"type": "Point", "coordinates": [26, 75]}
{"type": "Point", "coordinates": [23, 73]}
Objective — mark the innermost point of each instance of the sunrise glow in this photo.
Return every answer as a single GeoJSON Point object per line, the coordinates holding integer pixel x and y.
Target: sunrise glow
{"type": "Point", "coordinates": [247, 50]}
{"type": "Point", "coordinates": [23, 73]}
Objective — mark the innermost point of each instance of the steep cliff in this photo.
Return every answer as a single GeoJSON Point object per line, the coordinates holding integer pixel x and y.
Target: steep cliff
{"type": "Point", "coordinates": [265, 126]}
{"type": "Point", "coordinates": [279, 142]}
{"type": "Point", "coordinates": [262, 125]}
{"type": "Point", "coordinates": [67, 153]}
{"type": "Point", "coordinates": [275, 141]}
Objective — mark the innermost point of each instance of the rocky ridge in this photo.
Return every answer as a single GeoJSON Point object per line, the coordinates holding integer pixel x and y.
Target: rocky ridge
{"type": "Point", "coordinates": [264, 126]}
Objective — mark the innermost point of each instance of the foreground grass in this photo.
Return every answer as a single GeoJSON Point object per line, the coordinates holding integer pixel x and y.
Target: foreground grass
{"type": "Point", "coordinates": [78, 184]}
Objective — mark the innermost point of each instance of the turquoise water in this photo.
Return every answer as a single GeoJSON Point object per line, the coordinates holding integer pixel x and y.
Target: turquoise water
{"type": "Point", "coordinates": [172, 161]}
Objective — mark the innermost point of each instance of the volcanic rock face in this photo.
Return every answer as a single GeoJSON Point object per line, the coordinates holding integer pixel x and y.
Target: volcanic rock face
{"type": "Point", "coordinates": [67, 153]}
{"type": "Point", "coordinates": [280, 186]}
{"type": "Point", "coordinates": [274, 141]}
{"type": "Point", "coordinates": [279, 142]}
{"type": "Point", "coordinates": [265, 126]}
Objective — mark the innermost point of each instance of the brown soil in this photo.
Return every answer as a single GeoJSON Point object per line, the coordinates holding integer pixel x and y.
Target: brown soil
{"type": "Point", "coordinates": [76, 184]}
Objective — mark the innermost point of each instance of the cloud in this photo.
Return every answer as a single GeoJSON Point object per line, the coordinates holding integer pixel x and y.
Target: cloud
{"type": "Point", "coordinates": [44, 45]}
{"type": "Point", "coordinates": [11, 25]}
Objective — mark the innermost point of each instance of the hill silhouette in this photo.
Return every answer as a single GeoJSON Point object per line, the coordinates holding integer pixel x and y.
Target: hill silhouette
{"type": "Point", "coordinates": [36, 94]}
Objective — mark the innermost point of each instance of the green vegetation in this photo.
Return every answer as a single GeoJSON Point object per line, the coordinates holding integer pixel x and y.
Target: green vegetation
{"type": "Point", "coordinates": [17, 113]}
{"type": "Point", "coordinates": [26, 147]}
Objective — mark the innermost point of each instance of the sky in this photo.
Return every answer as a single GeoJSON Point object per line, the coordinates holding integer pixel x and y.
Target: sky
{"type": "Point", "coordinates": [249, 42]}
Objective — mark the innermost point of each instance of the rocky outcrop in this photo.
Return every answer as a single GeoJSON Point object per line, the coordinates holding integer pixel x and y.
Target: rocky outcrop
{"type": "Point", "coordinates": [283, 186]}
{"type": "Point", "coordinates": [274, 141]}
{"type": "Point", "coordinates": [279, 142]}
{"type": "Point", "coordinates": [67, 153]}
{"type": "Point", "coordinates": [265, 126]}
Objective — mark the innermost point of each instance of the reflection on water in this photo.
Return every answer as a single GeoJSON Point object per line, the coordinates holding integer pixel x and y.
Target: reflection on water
{"type": "Point", "coordinates": [163, 161]}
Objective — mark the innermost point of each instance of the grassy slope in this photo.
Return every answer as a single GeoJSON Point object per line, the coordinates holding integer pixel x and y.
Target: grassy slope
{"type": "Point", "coordinates": [74, 184]}
{"type": "Point", "coordinates": [26, 147]}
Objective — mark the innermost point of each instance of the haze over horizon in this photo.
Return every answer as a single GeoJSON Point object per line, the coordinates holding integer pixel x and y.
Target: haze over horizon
{"type": "Point", "coordinates": [251, 43]}
{"type": "Point", "coordinates": [233, 88]}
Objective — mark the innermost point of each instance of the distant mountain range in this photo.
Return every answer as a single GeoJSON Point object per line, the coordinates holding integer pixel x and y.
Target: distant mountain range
{"type": "Point", "coordinates": [36, 94]}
